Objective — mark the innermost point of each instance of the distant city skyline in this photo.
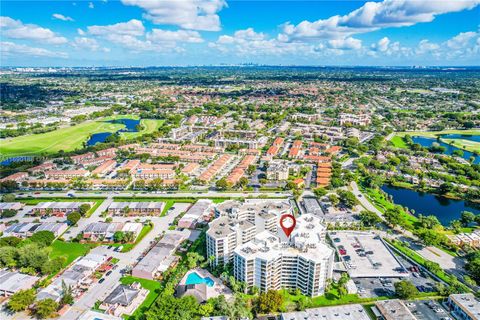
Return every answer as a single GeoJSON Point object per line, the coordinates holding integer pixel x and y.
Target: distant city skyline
{"type": "Point", "coordinates": [199, 32]}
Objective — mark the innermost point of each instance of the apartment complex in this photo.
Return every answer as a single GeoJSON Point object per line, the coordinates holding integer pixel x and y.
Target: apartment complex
{"type": "Point", "coordinates": [272, 262]}
{"type": "Point", "coordinates": [136, 208]}
{"type": "Point", "coordinates": [238, 222]}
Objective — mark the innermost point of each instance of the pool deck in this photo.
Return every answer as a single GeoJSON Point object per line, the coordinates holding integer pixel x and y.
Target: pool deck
{"type": "Point", "coordinates": [218, 287]}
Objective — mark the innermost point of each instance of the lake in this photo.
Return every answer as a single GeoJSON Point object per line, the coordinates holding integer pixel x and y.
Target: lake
{"type": "Point", "coordinates": [427, 142]}
{"type": "Point", "coordinates": [130, 126]}
{"type": "Point", "coordinates": [426, 204]}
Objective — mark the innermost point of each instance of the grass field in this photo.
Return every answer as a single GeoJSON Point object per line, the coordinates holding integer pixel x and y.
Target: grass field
{"type": "Point", "coordinates": [468, 145]}
{"type": "Point", "coordinates": [148, 126]}
{"type": "Point", "coordinates": [459, 143]}
{"type": "Point", "coordinates": [69, 138]}
{"type": "Point", "coordinates": [398, 142]}
{"type": "Point", "coordinates": [150, 285]}
{"type": "Point", "coordinates": [69, 250]}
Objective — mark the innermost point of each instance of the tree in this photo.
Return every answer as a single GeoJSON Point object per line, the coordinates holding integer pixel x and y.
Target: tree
{"type": "Point", "coordinates": [45, 308]}
{"type": "Point", "coordinates": [347, 198]}
{"type": "Point", "coordinates": [333, 199]}
{"type": "Point", "coordinates": [428, 222]}
{"type": "Point", "coordinates": [243, 182]}
{"type": "Point", "coordinates": [431, 237]}
{"type": "Point", "coordinates": [222, 184]}
{"type": "Point", "coordinates": [43, 238]}
{"type": "Point", "coordinates": [9, 197]}
{"type": "Point", "coordinates": [456, 226]}
{"type": "Point", "coordinates": [473, 268]}
{"type": "Point", "coordinates": [10, 241]}
{"type": "Point", "coordinates": [73, 218]}
{"type": "Point", "coordinates": [193, 258]}
{"type": "Point", "coordinates": [67, 296]}
{"type": "Point", "coordinates": [119, 236]}
{"type": "Point", "coordinates": [270, 301]}
{"type": "Point", "coordinates": [8, 213]}
{"type": "Point", "coordinates": [320, 192]}
{"type": "Point", "coordinates": [83, 209]}
{"type": "Point", "coordinates": [369, 218]}
{"type": "Point", "coordinates": [395, 216]}
{"type": "Point", "coordinates": [405, 289]}
{"type": "Point", "coordinates": [129, 236]}
{"type": "Point", "coordinates": [20, 300]}
{"type": "Point", "coordinates": [53, 266]}
{"type": "Point", "coordinates": [467, 217]}
{"type": "Point", "coordinates": [445, 188]}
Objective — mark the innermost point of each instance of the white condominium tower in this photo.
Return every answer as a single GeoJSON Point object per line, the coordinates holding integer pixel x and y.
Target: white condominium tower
{"type": "Point", "coordinates": [238, 222]}
{"type": "Point", "coordinates": [303, 262]}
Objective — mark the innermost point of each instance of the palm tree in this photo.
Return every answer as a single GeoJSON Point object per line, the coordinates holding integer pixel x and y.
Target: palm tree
{"type": "Point", "coordinates": [67, 297]}
{"type": "Point", "coordinates": [129, 236]}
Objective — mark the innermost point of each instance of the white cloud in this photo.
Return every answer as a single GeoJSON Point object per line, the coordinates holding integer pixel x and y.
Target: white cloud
{"type": "Point", "coordinates": [249, 42]}
{"type": "Point", "coordinates": [132, 28]}
{"type": "Point", "coordinates": [381, 45]}
{"type": "Point", "coordinates": [461, 40]}
{"type": "Point", "coordinates": [90, 5]}
{"type": "Point", "coordinates": [15, 29]}
{"type": "Point", "coordinates": [10, 48]}
{"type": "Point", "coordinates": [60, 16]}
{"type": "Point", "coordinates": [131, 35]}
{"type": "Point", "coordinates": [374, 16]}
{"type": "Point", "coordinates": [345, 44]}
{"type": "Point", "coordinates": [187, 14]}
{"type": "Point", "coordinates": [162, 36]}
{"type": "Point", "coordinates": [89, 44]}
{"type": "Point", "coordinates": [425, 46]}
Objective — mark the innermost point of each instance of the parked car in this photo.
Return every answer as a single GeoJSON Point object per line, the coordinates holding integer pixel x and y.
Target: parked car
{"type": "Point", "coordinates": [101, 280]}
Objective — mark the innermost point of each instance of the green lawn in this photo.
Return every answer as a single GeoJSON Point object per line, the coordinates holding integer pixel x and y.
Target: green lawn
{"type": "Point", "coordinates": [148, 126]}
{"type": "Point", "coordinates": [71, 138]}
{"type": "Point", "coordinates": [66, 139]}
{"type": "Point", "coordinates": [69, 250]}
{"type": "Point", "coordinates": [398, 142]}
{"type": "Point", "coordinates": [459, 143]}
{"type": "Point", "coordinates": [150, 285]}
{"type": "Point", "coordinates": [330, 298]}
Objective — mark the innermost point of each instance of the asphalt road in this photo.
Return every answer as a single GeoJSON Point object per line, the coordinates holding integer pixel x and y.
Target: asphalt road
{"type": "Point", "coordinates": [99, 291]}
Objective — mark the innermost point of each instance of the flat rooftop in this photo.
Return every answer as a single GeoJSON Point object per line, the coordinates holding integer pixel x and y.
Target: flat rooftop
{"type": "Point", "coordinates": [468, 303]}
{"type": "Point", "coordinates": [345, 312]}
{"type": "Point", "coordinates": [375, 261]}
{"type": "Point", "coordinates": [394, 310]}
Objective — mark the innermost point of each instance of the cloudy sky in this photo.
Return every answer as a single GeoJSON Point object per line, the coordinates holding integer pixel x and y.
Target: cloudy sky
{"type": "Point", "coordinates": [212, 32]}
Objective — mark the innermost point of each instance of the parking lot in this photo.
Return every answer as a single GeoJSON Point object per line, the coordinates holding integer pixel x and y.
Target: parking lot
{"type": "Point", "coordinates": [376, 287]}
{"type": "Point", "coordinates": [427, 310]}
{"type": "Point", "coordinates": [365, 255]}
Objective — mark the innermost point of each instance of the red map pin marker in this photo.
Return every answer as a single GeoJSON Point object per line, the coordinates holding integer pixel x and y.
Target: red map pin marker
{"type": "Point", "coordinates": [287, 222]}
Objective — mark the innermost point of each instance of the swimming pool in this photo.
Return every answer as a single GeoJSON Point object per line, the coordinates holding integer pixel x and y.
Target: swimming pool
{"type": "Point", "coordinates": [195, 278]}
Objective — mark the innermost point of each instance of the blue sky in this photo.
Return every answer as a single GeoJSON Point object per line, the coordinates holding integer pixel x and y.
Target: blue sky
{"type": "Point", "coordinates": [212, 32]}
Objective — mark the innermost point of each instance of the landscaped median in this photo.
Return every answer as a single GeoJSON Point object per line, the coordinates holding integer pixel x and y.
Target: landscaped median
{"type": "Point", "coordinates": [432, 267]}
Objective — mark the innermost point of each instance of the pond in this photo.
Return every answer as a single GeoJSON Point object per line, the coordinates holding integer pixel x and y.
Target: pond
{"type": "Point", "coordinates": [427, 142]}
{"type": "Point", "coordinates": [130, 126]}
{"type": "Point", "coordinates": [426, 204]}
